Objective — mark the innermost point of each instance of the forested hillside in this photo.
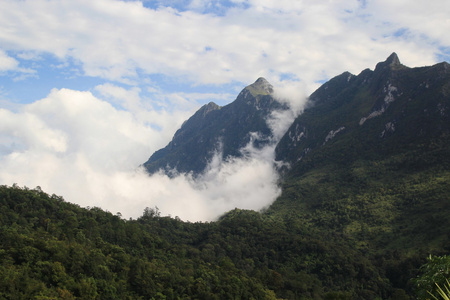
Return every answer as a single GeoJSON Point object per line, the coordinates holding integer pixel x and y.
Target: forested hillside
{"type": "Point", "coordinates": [51, 249]}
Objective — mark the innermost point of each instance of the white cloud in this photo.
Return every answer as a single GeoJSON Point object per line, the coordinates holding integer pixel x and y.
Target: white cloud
{"type": "Point", "coordinates": [81, 147]}
{"type": "Point", "coordinates": [427, 20]}
{"type": "Point", "coordinates": [314, 40]}
{"type": "Point", "coordinates": [27, 130]}
{"type": "Point", "coordinates": [7, 63]}
{"type": "Point", "coordinates": [11, 65]}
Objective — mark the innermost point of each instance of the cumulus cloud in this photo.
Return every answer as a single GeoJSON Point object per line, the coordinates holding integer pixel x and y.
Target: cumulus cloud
{"type": "Point", "coordinates": [61, 142]}
{"type": "Point", "coordinates": [81, 147]}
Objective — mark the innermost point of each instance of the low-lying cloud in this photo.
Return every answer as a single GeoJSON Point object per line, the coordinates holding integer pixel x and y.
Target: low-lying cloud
{"type": "Point", "coordinates": [81, 147]}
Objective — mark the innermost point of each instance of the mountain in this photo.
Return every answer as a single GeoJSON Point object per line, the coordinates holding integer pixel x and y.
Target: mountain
{"type": "Point", "coordinates": [370, 167]}
{"type": "Point", "coordinates": [376, 113]}
{"type": "Point", "coordinates": [372, 152]}
{"type": "Point", "coordinates": [223, 130]}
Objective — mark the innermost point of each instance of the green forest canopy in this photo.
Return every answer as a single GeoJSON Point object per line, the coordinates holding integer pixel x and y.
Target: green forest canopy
{"type": "Point", "coordinates": [52, 249]}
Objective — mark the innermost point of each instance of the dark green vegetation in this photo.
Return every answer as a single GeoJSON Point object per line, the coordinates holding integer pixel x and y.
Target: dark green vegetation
{"type": "Point", "coordinates": [56, 249]}
{"type": "Point", "coordinates": [219, 129]}
{"type": "Point", "coordinates": [434, 276]}
{"type": "Point", "coordinates": [364, 203]}
{"type": "Point", "coordinates": [51, 249]}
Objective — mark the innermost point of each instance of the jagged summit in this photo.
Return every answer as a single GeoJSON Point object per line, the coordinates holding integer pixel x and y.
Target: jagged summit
{"type": "Point", "coordinates": [260, 87]}
{"type": "Point", "coordinates": [391, 61]}
{"type": "Point", "coordinates": [207, 108]}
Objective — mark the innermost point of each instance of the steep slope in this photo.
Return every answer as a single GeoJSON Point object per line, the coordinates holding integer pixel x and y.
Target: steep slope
{"type": "Point", "coordinates": [373, 114]}
{"type": "Point", "coordinates": [370, 163]}
{"type": "Point", "coordinates": [214, 129]}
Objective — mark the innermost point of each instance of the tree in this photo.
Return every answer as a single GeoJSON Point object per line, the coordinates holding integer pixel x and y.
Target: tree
{"type": "Point", "coordinates": [435, 274]}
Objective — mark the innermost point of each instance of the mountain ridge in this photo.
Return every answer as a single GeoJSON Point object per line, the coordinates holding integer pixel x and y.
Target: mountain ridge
{"type": "Point", "coordinates": [214, 129]}
{"type": "Point", "coordinates": [381, 98]}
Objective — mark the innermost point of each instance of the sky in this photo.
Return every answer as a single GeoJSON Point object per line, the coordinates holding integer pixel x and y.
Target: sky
{"type": "Point", "coordinates": [90, 89]}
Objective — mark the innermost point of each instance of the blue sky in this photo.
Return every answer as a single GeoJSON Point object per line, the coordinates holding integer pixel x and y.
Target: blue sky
{"type": "Point", "coordinates": [90, 89]}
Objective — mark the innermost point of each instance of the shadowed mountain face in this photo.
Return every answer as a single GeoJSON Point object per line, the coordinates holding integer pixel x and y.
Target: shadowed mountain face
{"type": "Point", "coordinates": [374, 114]}
{"type": "Point", "coordinates": [219, 130]}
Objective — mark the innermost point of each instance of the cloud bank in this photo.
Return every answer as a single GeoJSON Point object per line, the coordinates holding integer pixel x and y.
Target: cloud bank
{"type": "Point", "coordinates": [74, 144]}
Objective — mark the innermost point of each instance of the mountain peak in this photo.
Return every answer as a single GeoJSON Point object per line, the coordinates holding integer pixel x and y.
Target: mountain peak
{"type": "Point", "coordinates": [207, 108]}
{"type": "Point", "coordinates": [391, 61]}
{"type": "Point", "coordinates": [215, 130]}
{"type": "Point", "coordinates": [260, 87]}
